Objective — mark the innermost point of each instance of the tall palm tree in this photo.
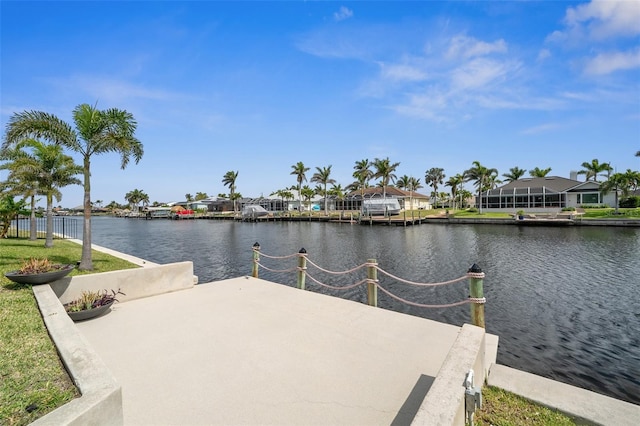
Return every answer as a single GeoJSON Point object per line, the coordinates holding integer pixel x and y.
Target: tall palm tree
{"type": "Point", "coordinates": [514, 174]}
{"type": "Point", "coordinates": [337, 191]}
{"type": "Point", "coordinates": [307, 193]}
{"type": "Point", "coordinates": [322, 176]}
{"type": "Point", "coordinates": [96, 132]}
{"type": "Point", "coordinates": [188, 197]}
{"type": "Point", "coordinates": [403, 182]}
{"type": "Point", "coordinates": [362, 174]}
{"type": "Point", "coordinates": [48, 169]}
{"type": "Point", "coordinates": [229, 179]}
{"type": "Point", "coordinates": [480, 175]}
{"type": "Point", "coordinates": [594, 168]}
{"type": "Point", "coordinates": [385, 172]}
{"type": "Point", "coordinates": [455, 182]}
{"type": "Point", "coordinates": [434, 177]}
{"type": "Point", "coordinates": [299, 171]}
{"type": "Point", "coordinates": [538, 172]}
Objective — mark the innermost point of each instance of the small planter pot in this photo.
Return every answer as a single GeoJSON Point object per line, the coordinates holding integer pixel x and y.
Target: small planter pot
{"type": "Point", "coordinates": [43, 278]}
{"type": "Point", "coordinates": [89, 313]}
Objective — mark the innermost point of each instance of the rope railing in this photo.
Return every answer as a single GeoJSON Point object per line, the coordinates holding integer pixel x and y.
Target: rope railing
{"type": "Point", "coordinates": [475, 276]}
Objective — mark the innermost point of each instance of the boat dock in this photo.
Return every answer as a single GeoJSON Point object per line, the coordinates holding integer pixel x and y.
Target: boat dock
{"type": "Point", "coordinates": [249, 351]}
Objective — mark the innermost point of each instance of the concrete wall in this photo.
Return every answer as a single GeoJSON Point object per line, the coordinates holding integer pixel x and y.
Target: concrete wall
{"type": "Point", "coordinates": [135, 283]}
{"type": "Point", "coordinates": [100, 402]}
{"type": "Point", "coordinates": [444, 403]}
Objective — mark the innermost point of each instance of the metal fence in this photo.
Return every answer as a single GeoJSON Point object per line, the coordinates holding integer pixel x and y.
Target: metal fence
{"type": "Point", "coordinates": [63, 227]}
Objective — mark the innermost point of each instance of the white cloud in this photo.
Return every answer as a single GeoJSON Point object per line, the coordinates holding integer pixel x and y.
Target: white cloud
{"type": "Point", "coordinates": [402, 72]}
{"type": "Point", "coordinates": [544, 54]}
{"type": "Point", "coordinates": [342, 14]}
{"type": "Point", "coordinates": [606, 63]}
{"type": "Point", "coordinates": [469, 47]}
{"type": "Point", "coordinates": [602, 19]}
{"type": "Point", "coordinates": [479, 73]}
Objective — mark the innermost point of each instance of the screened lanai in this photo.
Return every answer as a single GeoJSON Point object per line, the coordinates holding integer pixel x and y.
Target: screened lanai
{"type": "Point", "coordinates": [523, 198]}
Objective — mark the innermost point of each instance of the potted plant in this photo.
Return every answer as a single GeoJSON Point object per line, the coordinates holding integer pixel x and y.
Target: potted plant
{"type": "Point", "coordinates": [39, 271]}
{"type": "Point", "coordinates": [91, 304]}
{"type": "Point", "coordinates": [520, 214]}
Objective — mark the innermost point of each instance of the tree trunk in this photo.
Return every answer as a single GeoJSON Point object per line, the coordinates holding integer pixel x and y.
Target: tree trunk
{"type": "Point", "coordinates": [49, 240]}
{"type": "Point", "coordinates": [33, 231]}
{"type": "Point", "coordinates": [86, 264]}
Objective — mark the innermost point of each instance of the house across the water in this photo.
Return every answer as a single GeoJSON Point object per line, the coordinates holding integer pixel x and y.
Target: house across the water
{"type": "Point", "coordinates": [544, 194]}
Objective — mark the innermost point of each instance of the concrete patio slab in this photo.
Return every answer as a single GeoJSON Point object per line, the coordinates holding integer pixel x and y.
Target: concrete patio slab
{"type": "Point", "coordinates": [248, 351]}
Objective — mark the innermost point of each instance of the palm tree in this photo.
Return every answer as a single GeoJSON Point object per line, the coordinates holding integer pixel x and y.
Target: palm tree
{"type": "Point", "coordinates": [47, 169]}
{"type": "Point", "coordinates": [307, 193]}
{"type": "Point", "coordinates": [299, 171]}
{"type": "Point", "coordinates": [337, 191]}
{"type": "Point", "coordinates": [321, 176]}
{"type": "Point", "coordinates": [638, 154]}
{"type": "Point", "coordinates": [515, 173]}
{"type": "Point", "coordinates": [633, 177]}
{"type": "Point", "coordinates": [135, 197]}
{"type": "Point", "coordinates": [362, 175]}
{"type": "Point", "coordinates": [480, 175]}
{"type": "Point", "coordinates": [96, 132]}
{"type": "Point", "coordinates": [283, 194]}
{"type": "Point", "coordinates": [188, 197]}
{"type": "Point", "coordinates": [616, 183]}
{"type": "Point", "coordinates": [434, 177]}
{"type": "Point", "coordinates": [229, 179]}
{"type": "Point", "coordinates": [538, 172]}
{"type": "Point", "coordinates": [594, 168]}
{"type": "Point", "coordinates": [201, 196]}
{"type": "Point", "coordinates": [455, 182]}
{"type": "Point", "coordinates": [385, 172]}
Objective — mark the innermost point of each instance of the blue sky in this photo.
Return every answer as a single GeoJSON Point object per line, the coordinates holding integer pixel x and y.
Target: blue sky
{"type": "Point", "coordinates": [255, 87]}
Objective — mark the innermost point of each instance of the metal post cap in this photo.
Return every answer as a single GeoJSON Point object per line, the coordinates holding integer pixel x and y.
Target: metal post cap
{"type": "Point", "coordinates": [302, 250]}
{"type": "Point", "coordinates": [475, 269]}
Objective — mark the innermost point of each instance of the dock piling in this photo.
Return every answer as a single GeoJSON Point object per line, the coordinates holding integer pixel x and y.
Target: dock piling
{"type": "Point", "coordinates": [372, 282]}
{"type": "Point", "coordinates": [476, 293]}
{"type": "Point", "coordinates": [302, 268]}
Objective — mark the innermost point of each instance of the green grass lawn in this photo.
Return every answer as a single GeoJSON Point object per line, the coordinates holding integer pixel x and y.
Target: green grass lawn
{"type": "Point", "coordinates": [610, 213]}
{"type": "Point", "coordinates": [502, 408]}
{"type": "Point", "coordinates": [33, 380]}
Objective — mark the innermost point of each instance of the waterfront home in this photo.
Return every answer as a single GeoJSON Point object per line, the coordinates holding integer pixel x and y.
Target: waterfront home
{"type": "Point", "coordinates": [408, 200]}
{"type": "Point", "coordinates": [545, 194]}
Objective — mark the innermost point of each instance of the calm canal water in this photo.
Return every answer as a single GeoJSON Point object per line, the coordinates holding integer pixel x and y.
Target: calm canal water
{"type": "Point", "coordinates": [564, 301]}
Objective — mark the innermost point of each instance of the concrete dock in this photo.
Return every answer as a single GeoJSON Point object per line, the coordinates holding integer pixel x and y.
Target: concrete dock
{"type": "Point", "coordinates": [247, 351]}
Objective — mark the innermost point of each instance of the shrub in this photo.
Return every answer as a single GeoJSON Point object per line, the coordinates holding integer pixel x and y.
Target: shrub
{"type": "Point", "coordinates": [472, 210]}
{"type": "Point", "coordinates": [568, 209]}
{"type": "Point", "coordinates": [630, 202]}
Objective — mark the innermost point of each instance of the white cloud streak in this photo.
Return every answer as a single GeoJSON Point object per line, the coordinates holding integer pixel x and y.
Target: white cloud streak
{"type": "Point", "coordinates": [469, 47]}
{"type": "Point", "coordinates": [342, 14]}
{"type": "Point", "coordinates": [606, 63]}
